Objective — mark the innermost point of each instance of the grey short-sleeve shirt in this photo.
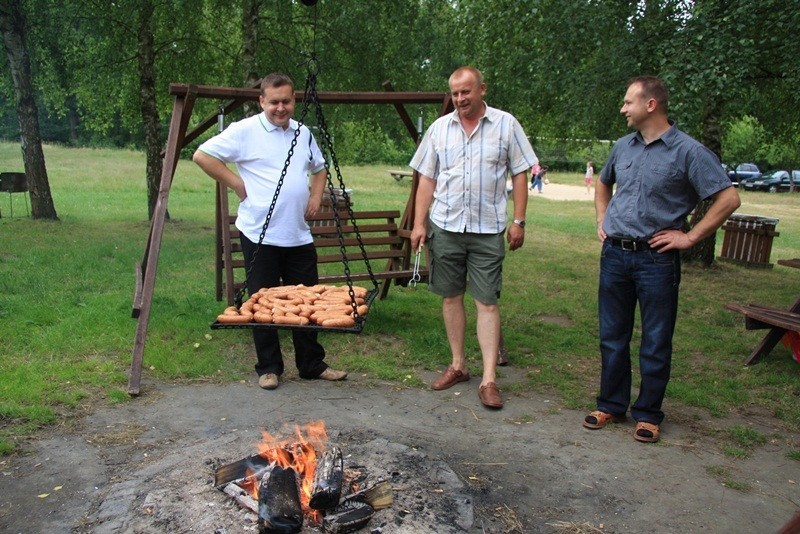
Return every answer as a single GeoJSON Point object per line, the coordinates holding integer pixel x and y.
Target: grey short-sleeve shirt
{"type": "Point", "coordinates": [659, 183]}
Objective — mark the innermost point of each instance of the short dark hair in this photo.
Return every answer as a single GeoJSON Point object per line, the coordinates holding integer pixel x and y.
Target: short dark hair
{"type": "Point", "coordinates": [276, 79]}
{"type": "Point", "coordinates": [653, 87]}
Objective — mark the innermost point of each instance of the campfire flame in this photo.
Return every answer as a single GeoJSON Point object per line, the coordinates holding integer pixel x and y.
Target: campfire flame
{"type": "Point", "coordinates": [298, 451]}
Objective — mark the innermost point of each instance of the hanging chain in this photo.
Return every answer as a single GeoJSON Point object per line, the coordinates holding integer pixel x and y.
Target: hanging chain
{"type": "Point", "coordinates": [326, 147]}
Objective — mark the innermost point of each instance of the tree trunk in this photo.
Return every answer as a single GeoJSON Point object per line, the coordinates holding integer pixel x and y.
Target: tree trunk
{"type": "Point", "coordinates": [147, 104]}
{"type": "Point", "coordinates": [12, 25]}
{"type": "Point", "coordinates": [710, 136]}
{"type": "Point", "coordinates": [250, 10]}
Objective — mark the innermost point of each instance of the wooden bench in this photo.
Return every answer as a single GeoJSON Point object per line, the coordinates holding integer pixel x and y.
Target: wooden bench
{"type": "Point", "coordinates": [398, 174]}
{"type": "Point", "coordinates": [777, 320]}
{"type": "Point", "coordinates": [386, 246]}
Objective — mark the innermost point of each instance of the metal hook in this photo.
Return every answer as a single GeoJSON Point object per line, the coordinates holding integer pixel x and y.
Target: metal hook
{"type": "Point", "coordinates": [415, 276]}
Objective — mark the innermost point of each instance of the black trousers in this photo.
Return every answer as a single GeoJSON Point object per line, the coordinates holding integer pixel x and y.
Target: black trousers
{"type": "Point", "coordinates": [276, 266]}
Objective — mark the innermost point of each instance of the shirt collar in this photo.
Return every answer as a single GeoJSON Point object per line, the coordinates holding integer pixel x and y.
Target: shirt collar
{"type": "Point", "coordinates": [269, 127]}
{"type": "Point", "coordinates": [489, 113]}
{"type": "Point", "coordinates": [667, 137]}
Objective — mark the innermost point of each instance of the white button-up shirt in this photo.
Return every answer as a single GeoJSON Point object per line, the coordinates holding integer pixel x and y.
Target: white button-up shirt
{"type": "Point", "coordinates": [471, 171]}
{"type": "Point", "coordinates": [259, 149]}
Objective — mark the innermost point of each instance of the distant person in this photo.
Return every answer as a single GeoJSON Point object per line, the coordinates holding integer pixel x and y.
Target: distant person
{"type": "Point", "coordinates": [464, 188]}
{"type": "Point", "coordinates": [534, 174]}
{"type": "Point", "coordinates": [259, 146]}
{"type": "Point", "coordinates": [538, 172]}
{"type": "Point", "coordinates": [660, 175]}
{"type": "Point", "coordinates": [588, 179]}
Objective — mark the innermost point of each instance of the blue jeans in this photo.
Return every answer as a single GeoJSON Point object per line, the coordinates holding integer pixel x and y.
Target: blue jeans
{"type": "Point", "coordinates": [651, 279]}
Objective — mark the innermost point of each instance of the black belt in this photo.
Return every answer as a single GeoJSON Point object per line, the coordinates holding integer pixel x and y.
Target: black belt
{"type": "Point", "coordinates": [631, 245]}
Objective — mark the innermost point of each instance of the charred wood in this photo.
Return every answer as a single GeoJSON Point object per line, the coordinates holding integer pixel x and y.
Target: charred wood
{"type": "Point", "coordinates": [240, 470]}
{"type": "Point", "coordinates": [241, 497]}
{"type": "Point", "coordinates": [347, 517]}
{"type": "Point", "coordinates": [279, 509]}
{"type": "Point", "coordinates": [379, 495]}
{"type": "Point", "coordinates": [328, 477]}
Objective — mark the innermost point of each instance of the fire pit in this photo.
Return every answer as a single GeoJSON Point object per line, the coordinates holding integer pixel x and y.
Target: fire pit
{"type": "Point", "coordinates": [174, 492]}
{"type": "Point", "coordinates": [300, 479]}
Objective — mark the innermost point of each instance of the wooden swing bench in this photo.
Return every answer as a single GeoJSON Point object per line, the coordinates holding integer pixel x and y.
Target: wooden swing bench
{"type": "Point", "coordinates": [380, 232]}
{"type": "Point", "coordinates": [180, 136]}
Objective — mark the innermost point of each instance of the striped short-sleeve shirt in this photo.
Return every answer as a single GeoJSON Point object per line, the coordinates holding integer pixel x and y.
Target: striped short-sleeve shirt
{"type": "Point", "coordinates": [471, 171]}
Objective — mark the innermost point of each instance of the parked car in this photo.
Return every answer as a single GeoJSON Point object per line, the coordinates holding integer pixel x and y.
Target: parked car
{"type": "Point", "coordinates": [744, 173]}
{"type": "Point", "coordinates": [775, 181]}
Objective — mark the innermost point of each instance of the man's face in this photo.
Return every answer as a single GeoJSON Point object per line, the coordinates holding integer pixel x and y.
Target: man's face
{"type": "Point", "coordinates": [635, 106]}
{"type": "Point", "coordinates": [467, 95]}
{"type": "Point", "coordinates": [278, 104]}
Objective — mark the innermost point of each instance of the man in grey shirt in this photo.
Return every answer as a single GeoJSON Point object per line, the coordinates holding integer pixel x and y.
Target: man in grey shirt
{"type": "Point", "coordinates": [660, 174]}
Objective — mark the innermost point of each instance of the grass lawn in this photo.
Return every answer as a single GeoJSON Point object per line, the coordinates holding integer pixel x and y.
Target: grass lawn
{"type": "Point", "coordinates": [66, 332]}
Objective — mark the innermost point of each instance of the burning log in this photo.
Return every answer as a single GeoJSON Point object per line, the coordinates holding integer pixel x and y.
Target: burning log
{"type": "Point", "coordinates": [279, 509]}
{"type": "Point", "coordinates": [379, 495]}
{"type": "Point", "coordinates": [246, 468]}
{"type": "Point", "coordinates": [348, 517]}
{"type": "Point", "coordinates": [328, 477]}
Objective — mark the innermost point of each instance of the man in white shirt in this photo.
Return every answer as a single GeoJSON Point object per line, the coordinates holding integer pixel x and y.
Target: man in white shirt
{"type": "Point", "coordinates": [259, 147]}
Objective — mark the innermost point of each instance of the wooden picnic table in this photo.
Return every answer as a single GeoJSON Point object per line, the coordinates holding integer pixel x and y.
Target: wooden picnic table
{"type": "Point", "coordinates": [777, 320]}
{"type": "Point", "coordinates": [398, 174]}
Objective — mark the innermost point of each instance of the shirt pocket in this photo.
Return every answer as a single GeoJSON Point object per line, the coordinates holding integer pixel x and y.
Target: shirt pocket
{"type": "Point", "coordinates": [496, 155]}
{"type": "Point", "coordinates": [663, 183]}
{"type": "Point", "coordinates": [623, 170]}
{"type": "Point", "coordinates": [450, 156]}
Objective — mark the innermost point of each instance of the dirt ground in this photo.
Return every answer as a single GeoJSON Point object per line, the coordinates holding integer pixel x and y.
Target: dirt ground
{"type": "Point", "coordinates": [553, 191]}
{"type": "Point", "coordinates": [147, 465]}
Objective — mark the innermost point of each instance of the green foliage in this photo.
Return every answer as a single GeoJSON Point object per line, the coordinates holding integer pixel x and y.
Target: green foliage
{"type": "Point", "coordinates": [779, 154]}
{"type": "Point", "coordinates": [363, 142]}
{"type": "Point", "coordinates": [746, 140]}
{"type": "Point", "coordinates": [742, 140]}
{"type": "Point", "coordinates": [571, 154]}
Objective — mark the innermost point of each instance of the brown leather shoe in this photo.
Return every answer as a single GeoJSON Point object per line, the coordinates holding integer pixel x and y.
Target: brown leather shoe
{"type": "Point", "coordinates": [332, 374]}
{"type": "Point", "coordinates": [449, 378]}
{"type": "Point", "coordinates": [268, 381]}
{"type": "Point", "coordinates": [490, 396]}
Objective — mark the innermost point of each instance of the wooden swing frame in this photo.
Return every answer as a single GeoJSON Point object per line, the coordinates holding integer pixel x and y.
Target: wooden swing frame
{"type": "Point", "coordinates": [185, 97]}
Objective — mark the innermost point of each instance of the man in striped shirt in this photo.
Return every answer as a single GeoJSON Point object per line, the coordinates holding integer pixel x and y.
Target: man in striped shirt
{"type": "Point", "coordinates": [463, 162]}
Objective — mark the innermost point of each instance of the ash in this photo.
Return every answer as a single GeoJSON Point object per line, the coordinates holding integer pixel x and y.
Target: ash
{"type": "Point", "coordinates": [175, 493]}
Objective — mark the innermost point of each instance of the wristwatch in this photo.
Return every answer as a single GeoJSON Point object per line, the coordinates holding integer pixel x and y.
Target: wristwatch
{"type": "Point", "coordinates": [520, 222]}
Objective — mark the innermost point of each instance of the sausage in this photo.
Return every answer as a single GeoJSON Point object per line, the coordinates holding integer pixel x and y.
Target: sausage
{"type": "Point", "coordinates": [287, 300]}
{"type": "Point", "coordinates": [262, 317]}
{"type": "Point", "coordinates": [234, 319]}
{"type": "Point", "coordinates": [286, 308]}
{"type": "Point", "coordinates": [290, 319]}
{"type": "Point", "coordinates": [340, 322]}
{"type": "Point", "coordinates": [231, 310]}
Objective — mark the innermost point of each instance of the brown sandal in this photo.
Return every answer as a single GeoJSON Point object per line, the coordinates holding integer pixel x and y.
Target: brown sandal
{"type": "Point", "coordinates": [646, 432]}
{"type": "Point", "coordinates": [598, 419]}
